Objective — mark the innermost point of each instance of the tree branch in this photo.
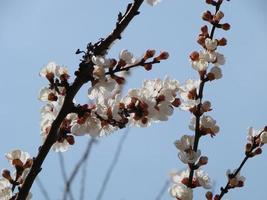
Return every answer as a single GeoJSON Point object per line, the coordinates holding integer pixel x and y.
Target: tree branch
{"type": "Point", "coordinates": [112, 165]}
{"type": "Point", "coordinates": [83, 76]}
{"type": "Point", "coordinates": [77, 167]}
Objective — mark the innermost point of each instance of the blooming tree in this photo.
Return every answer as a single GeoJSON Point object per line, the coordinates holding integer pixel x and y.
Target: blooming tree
{"type": "Point", "coordinates": [63, 118]}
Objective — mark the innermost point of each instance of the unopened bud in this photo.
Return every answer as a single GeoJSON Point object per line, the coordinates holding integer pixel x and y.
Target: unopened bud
{"type": "Point", "coordinates": [204, 29]}
{"type": "Point", "coordinates": [203, 160]}
{"type": "Point", "coordinates": [162, 56]}
{"type": "Point", "coordinates": [70, 139]}
{"type": "Point", "coordinates": [52, 97]}
{"type": "Point", "coordinates": [248, 147]}
{"type": "Point", "coordinates": [148, 67]}
{"type": "Point", "coordinates": [194, 56]}
{"type": "Point", "coordinates": [226, 26]}
{"type": "Point", "coordinates": [206, 106]}
{"type": "Point", "coordinates": [207, 16]}
{"type": "Point", "coordinates": [209, 195]}
{"type": "Point", "coordinates": [149, 54]}
{"type": "Point", "coordinates": [257, 151]}
{"type": "Point", "coordinates": [217, 197]}
{"type": "Point", "coordinates": [201, 41]}
{"type": "Point", "coordinates": [6, 174]}
{"type": "Point", "coordinates": [222, 42]}
{"type": "Point", "coordinates": [176, 102]}
{"type": "Point", "coordinates": [218, 16]}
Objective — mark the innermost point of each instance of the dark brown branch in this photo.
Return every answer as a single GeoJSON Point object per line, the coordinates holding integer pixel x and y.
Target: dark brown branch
{"type": "Point", "coordinates": [112, 165]}
{"type": "Point", "coordinates": [77, 167]}
{"type": "Point", "coordinates": [200, 96]}
{"type": "Point", "coordinates": [83, 76]}
{"type": "Point", "coordinates": [225, 189]}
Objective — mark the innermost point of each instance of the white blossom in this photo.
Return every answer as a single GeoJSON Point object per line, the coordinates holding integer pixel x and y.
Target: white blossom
{"type": "Point", "coordinates": [203, 179]}
{"type": "Point", "coordinates": [5, 189]}
{"type": "Point", "coordinates": [211, 44]}
{"type": "Point", "coordinates": [186, 142]}
{"type": "Point", "coordinates": [181, 192]}
{"type": "Point", "coordinates": [18, 155]}
{"type": "Point", "coordinates": [237, 181]}
{"type": "Point", "coordinates": [263, 137]}
{"type": "Point", "coordinates": [101, 61]}
{"type": "Point", "coordinates": [50, 68]}
{"type": "Point", "coordinates": [99, 72]}
{"type": "Point", "coordinates": [127, 56]}
{"type": "Point", "coordinates": [252, 133]}
{"type": "Point", "coordinates": [217, 72]}
{"type": "Point", "coordinates": [153, 2]}
{"type": "Point", "coordinates": [189, 156]}
{"type": "Point", "coordinates": [187, 93]}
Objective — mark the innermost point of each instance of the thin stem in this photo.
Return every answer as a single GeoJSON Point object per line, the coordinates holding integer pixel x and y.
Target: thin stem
{"type": "Point", "coordinates": [77, 167]}
{"type": "Point", "coordinates": [42, 188]}
{"type": "Point", "coordinates": [82, 77]}
{"type": "Point", "coordinates": [163, 190]}
{"type": "Point", "coordinates": [200, 96]}
{"type": "Point", "coordinates": [64, 172]}
{"type": "Point", "coordinates": [248, 155]}
{"type": "Point", "coordinates": [112, 165]}
{"type": "Point", "coordinates": [83, 179]}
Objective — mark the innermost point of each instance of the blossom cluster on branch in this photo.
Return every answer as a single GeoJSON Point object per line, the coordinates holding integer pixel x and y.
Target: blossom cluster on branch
{"type": "Point", "coordinates": [63, 119]}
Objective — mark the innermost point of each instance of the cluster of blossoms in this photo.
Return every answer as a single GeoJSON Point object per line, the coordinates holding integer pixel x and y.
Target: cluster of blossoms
{"type": "Point", "coordinates": [22, 163]}
{"type": "Point", "coordinates": [207, 62]}
{"type": "Point", "coordinates": [107, 110]}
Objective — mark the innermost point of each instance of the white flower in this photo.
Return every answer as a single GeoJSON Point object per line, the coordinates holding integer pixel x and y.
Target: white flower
{"type": "Point", "coordinates": [207, 125]}
{"type": "Point", "coordinates": [188, 93]}
{"type": "Point", "coordinates": [61, 146]}
{"type": "Point", "coordinates": [49, 70]}
{"type": "Point", "coordinates": [220, 59]}
{"type": "Point", "coordinates": [211, 44]}
{"type": "Point", "coordinates": [186, 142]}
{"type": "Point", "coordinates": [216, 72]}
{"type": "Point", "coordinates": [5, 189]}
{"type": "Point", "coordinates": [104, 89]}
{"type": "Point", "coordinates": [263, 137]}
{"type": "Point", "coordinates": [127, 56]}
{"type": "Point", "coordinates": [181, 192]}
{"type": "Point", "coordinates": [189, 156]}
{"type": "Point", "coordinates": [237, 181]}
{"type": "Point", "coordinates": [18, 155]}
{"type": "Point", "coordinates": [252, 133]}
{"type": "Point", "coordinates": [178, 177]}
{"type": "Point", "coordinates": [153, 2]}
{"type": "Point", "coordinates": [61, 71]}
{"type": "Point", "coordinates": [47, 95]}
{"type": "Point", "coordinates": [99, 72]}
{"type": "Point", "coordinates": [203, 179]}
{"type": "Point", "coordinates": [101, 61]}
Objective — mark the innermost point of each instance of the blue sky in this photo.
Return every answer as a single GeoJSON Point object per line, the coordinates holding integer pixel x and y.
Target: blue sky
{"type": "Point", "coordinates": [34, 32]}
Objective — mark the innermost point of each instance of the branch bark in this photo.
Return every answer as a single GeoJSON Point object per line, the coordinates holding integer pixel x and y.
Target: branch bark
{"type": "Point", "coordinates": [83, 76]}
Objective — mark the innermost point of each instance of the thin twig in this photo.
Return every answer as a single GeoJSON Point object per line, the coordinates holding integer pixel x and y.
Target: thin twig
{"type": "Point", "coordinates": [77, 167]}
{"type": "Point", "coordinates": [200, 96]}
{"type": "Point", "coordinates": [163, 190]}
{"type": "Point", "coordinates": [112, 165]}
{"type": "Point", "coordinates": [64, 172]}
{"type": "Point", "coordinates": [83, 179]}
{"type": "Point", "coordinates": [225, 189]}
{"type": "Point", "coordinates": [83, 76]}
{"type": "Point", "coordinates": [42, 188]}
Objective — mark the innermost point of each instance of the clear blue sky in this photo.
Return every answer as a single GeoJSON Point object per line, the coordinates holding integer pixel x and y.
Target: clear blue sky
{"type": "Point", "coordinates": [34, 32]}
